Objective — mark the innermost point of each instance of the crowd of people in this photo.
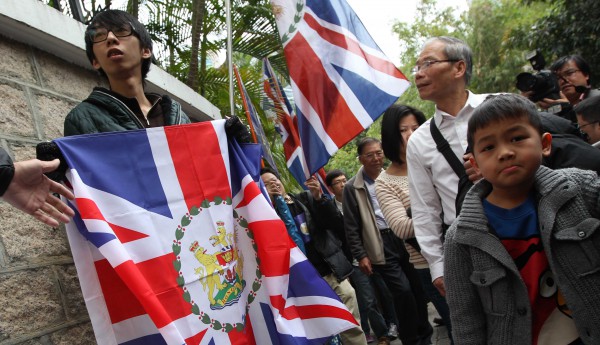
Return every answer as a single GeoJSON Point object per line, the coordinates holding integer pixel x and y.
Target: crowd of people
{"type": "Point", "coordinates": [514, 259]}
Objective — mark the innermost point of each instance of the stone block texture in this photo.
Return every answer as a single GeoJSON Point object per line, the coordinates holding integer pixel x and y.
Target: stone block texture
{"type": "Point", "coordinates": [40, 295]}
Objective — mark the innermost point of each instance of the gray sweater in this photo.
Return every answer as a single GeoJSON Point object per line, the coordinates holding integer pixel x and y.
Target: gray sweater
{"type": "Point", "coordinates": [488, 299]}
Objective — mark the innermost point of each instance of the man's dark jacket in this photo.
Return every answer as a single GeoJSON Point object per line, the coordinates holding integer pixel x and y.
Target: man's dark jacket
{"type": "Point", "coordinates": [103, 112]}
{"type": "Point", "coordinates": [324, 250]}
{"type": "Point", "coordinates": [569, 150]}
{"type": "Point", "coordinates": [7, 171]}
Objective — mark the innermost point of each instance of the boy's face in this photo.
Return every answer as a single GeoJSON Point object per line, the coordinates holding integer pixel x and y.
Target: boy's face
{"type": "Point", "coordinates": [119, 56]}
{"type": "Point", "coordinates": [507, 153]}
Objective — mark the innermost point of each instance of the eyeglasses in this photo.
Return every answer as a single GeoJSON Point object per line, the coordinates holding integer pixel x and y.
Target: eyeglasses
{"type": "Point", "coordinates": [587, 124]}
{"type": "Point", "coordinates": [373, 155]}
{"type": "Point", "coordinates": [335, 183]}
{"type": "Point", "coordinates": [568, 73]}
{"type": "Point", "coordinates": [100, 34]}
{"type": "Point", "coordinates": [427, 63]}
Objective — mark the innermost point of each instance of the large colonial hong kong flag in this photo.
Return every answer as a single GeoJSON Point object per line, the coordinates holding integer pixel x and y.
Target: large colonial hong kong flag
{"type": "Point", "coordinates": [341, 80]}
{"type": "Point", "coordinates": [175, 244]}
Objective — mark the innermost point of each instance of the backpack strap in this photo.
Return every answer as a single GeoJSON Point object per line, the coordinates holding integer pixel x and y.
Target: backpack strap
{"type": "Point", "coordinates": [464, 184]}
{"type": "Point", "coordinates": [444, 147]}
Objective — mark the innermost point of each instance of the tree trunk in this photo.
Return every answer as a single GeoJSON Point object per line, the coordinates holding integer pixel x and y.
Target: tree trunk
{"type": "Point", "coordinates": [199, 7]}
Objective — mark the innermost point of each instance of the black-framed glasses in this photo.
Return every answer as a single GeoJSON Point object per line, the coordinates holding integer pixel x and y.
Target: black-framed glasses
{"type": "Point", "coordinates": [427, 63]}
{"type": "Point", "coordinates": [100, 34]}
{"type": "Point", "coordinates": [568, 73]}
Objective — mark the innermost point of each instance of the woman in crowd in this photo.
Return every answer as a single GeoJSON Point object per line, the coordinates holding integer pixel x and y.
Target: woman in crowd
{"type": "Point", "coordinates": [391, 187]}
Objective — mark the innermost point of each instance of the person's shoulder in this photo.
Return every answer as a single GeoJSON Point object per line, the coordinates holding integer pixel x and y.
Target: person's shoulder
{"type": "Point", "coordinates": [84, 108]}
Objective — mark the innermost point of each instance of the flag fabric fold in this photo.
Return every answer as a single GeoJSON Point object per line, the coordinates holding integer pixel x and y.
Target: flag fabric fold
{"type": "Point", "coordinates": [256, 128]}
{"type": "Point", "coordinates": [340, 78]}
{"type": "Point", "coordinates": [174, 243]}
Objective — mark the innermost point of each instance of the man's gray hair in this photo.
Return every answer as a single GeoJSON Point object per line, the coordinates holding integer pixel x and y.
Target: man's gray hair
{"type": "Point", "coordinates": [456, 49]}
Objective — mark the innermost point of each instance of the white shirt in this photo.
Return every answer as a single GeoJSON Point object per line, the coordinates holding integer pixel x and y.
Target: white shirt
{"type": "Point", "coordinates": [433, 185]}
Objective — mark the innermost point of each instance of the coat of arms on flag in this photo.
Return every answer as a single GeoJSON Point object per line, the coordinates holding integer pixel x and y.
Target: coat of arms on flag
{"type": "Point", "coordinates": [175, 244]}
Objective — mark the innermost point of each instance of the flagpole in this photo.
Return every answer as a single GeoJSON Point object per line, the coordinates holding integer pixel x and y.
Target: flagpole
{"type": "Point", "coordinates": [229, 55]}
{"type": "Point", "coordinates": [238, 77]}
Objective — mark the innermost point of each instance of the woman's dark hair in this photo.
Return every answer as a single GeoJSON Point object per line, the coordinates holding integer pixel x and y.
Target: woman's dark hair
{"type": "Point", "coordinates": [117, 18]}
{"type": "Point", "coordinates": [391, 139]}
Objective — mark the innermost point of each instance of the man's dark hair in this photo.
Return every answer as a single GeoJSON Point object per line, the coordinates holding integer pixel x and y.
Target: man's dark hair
{"type": "Point", "coordinates": [456, 49]}
{"type": "Point", "coordinates": [364, 142]}
{"type": "Point", "coordinates": [266, 170]}
{"type": "Point", "coordinates": [116, 18]}
{"type": "Point", "coordinates": [589, 109]}
{"type": "Point", "coordinates": [583, 66]}
{"type": "Point", "coordinates": [503, 107]}
{"type": "Point", "coordinates": [391, 139]}
{"type": "Point", "coordinates": [333, 174]}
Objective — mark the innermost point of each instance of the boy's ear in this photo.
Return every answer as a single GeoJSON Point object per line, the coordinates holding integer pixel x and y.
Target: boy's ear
{"type": "Point", "coordinates": [546, 144]}
{"type": "Point", "coordinates": [474, 164]}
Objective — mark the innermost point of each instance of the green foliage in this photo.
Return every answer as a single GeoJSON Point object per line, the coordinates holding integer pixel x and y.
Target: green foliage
{"type": "Point", "coordinates": [568, 27]}
{"type": "Point", "coordinates": [494, 29]}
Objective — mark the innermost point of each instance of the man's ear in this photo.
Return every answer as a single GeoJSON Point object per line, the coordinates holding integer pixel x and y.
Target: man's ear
{"type": "Point", "coordinates": [95, 64]}
{"type": "Point", "coordinates": [461, 69]}
{"type": "Point", "coordinates": [546, 144]}
{"type": "Point", "coordinates": [146, 53]}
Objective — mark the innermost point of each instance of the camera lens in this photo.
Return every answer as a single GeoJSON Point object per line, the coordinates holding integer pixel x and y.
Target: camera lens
{"type": "Point", "coordinates": [526, 81]}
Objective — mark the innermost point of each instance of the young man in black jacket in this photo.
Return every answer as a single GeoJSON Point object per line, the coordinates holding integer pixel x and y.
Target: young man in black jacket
{"type": "Point", "coordinates": [120, 48]}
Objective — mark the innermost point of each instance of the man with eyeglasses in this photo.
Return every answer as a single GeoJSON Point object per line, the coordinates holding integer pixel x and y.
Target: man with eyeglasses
{"type": "Point", "coordinates": [442, 73]}
{"type": "Point", "coordinates": [119, 47]}
{"type": "Point", "coordinates": [588, 118]}
{"type": "Point", "coordinates": [378, 249]}
{"type": "Point", "coordinates": [573, 74]}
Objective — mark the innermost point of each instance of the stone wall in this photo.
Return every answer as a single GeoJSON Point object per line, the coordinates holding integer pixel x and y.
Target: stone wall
{"type": "Point", "coordinates": [39, 292]}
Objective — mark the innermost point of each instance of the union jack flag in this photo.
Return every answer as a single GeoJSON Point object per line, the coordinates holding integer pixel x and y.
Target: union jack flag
{"type": "Point", "coordinates": [287, 127]}
{"type": "Point", "coordinates": [341, 80]}
{"type": "Point", "coordinates": [175, 244]}
{"type": "Point", "coordinates": [256, 128]}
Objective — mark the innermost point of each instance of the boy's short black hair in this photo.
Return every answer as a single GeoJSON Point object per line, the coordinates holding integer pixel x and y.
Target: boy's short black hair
{"type": "Point", "coordinates": [115, 18]}
{"type": "Point", "coordinates": [583, 66]}
{"type": "Point", "coordinates": [589, 109]}
{"type": "Point", "coordinates": [502, 107]}
{"type": "Point", "coordinates": [266, 170]}
{"type": "Point", "coordinates": [364, 142]}
{"type": "Point", "coordinates": [391, 138]}
{"type": "Point", "coordinates": [333, 174]}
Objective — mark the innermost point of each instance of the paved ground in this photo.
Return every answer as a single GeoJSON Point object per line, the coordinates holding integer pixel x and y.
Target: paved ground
{"type": "Point", "coordinates": [440, 335]}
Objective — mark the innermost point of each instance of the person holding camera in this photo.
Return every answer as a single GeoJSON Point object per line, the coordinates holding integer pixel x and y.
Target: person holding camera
{"type": "Point", "coordinates": [573, 77]}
